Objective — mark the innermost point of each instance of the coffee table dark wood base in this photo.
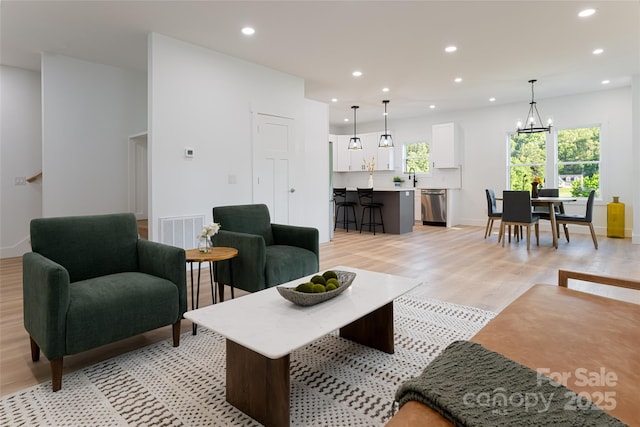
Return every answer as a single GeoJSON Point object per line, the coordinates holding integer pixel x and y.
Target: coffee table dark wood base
{"type": "Point", "coordinates": [374, 330]}
{"type": "Point", "coordinates": [257, 385]}
{"type": "Point", "coordinates": [260, 386]}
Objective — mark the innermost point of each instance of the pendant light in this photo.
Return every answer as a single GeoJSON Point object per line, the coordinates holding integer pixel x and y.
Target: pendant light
{"type": "Point", "coordinates": [530, 126]}
{"type": "Point", "coordinates": [354, 143]}
{"type": "Point", "coordinates": [385, 139]}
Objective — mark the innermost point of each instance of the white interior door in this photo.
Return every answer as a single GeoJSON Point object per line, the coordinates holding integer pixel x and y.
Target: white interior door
{"type": "Point", "coordinates": [138, 195]}
{"type": "Point", "coordinates": [274, 154]}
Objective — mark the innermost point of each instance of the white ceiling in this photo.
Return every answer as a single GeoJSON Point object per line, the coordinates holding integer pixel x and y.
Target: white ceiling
{"type": "Point", "coordinates": [396, 44]}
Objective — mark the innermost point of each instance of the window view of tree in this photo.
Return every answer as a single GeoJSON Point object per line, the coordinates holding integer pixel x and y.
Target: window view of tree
{"type": "Point", "coordinates": [527, 160]}
{"type": "Point", "coordinates": [579, 161]}
{"type": "Point", "coordinates": [416, 157]}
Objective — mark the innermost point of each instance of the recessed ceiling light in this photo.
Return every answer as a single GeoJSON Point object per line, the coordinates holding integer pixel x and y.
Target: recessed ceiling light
{"type": "Point", "coordinates": [586, 12]}
{"type": "Point", "coordinates": [385, 89]}
{"type": "Point", "coordinates": [492, 99]}
{"type": "Point", "coordinates": [356, 73]}
{"type": "Point", "coordinates": [334, 99]}
{"type": "Point", "coordinates": [346, 120]}
{"type": "Point", "coordinates": [606, 82]}
{"type": "Point", "coordinates": [432, 106]}
{"type": "Point", "coordinates": [598, 51]}
{"type": "Point", "coordinates": [248, 31]}
{"type": "Point", "coordinates": [458, 79]}
{"type": "Point", "coordinates": [450, 49]}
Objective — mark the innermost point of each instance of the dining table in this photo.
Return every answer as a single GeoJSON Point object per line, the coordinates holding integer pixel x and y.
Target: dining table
{"type": "Point", "coordinates": [550, 202]}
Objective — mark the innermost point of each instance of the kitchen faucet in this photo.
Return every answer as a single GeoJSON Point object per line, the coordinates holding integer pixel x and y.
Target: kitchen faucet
{"type": "Point", "coordinates": [414, 176]}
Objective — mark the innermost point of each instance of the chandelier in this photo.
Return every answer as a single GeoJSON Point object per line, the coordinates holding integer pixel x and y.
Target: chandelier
{"type": "Point", "coordinates": [533, 126]}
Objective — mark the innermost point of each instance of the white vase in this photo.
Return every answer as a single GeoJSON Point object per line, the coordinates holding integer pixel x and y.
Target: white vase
{"type": "Point", "coordinates": [370, 183]}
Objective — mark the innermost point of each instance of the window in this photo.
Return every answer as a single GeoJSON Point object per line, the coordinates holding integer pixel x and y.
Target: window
{"type": "Point", "coordinates": [527, 160]}
{"type": "Point", "coordinates": [579, 161]}
{"type": "Point", "coordinates": [416, 157]}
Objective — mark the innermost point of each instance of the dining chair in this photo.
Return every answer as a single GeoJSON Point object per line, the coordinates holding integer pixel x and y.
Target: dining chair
{"type": "Point", "coordinates": [516, 211]}
{"type": "Point", "coordinates": [492, 212]}
{"type": "Point", "coordinates": [340, 199]}
{"type": "Point", "coordinates": [543, 211]}
{"type": "Point", "coordinates": [585, 219]}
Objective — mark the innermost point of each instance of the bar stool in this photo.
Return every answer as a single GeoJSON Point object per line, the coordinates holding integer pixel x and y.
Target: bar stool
{"type": "Point", "coordinates": [365, 196]}
{"type": "Point", "coordinates": [340, 199]}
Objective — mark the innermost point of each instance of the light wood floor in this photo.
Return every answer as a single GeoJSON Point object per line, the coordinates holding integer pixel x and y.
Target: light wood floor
{"type": "Point", "coordinates": [455, 264]}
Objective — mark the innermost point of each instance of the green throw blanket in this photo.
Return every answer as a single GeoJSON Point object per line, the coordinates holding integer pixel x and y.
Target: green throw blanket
{"type": "Point", "coordinates": [472, 386]}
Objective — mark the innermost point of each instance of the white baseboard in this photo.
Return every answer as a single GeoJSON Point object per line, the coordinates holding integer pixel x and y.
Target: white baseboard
{"type": "Point", "coordinates": [19, 249]}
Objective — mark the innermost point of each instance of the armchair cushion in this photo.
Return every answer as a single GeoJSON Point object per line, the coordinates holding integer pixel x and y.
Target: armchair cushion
{"type": "Point", "coordinates": [285, 263]}
{"type": "Point", "coordinates": [87, 247]}
{"type": "Point", "coordinates": [268, 254]}
{"type": "Point", "coordinates": [250, 219]}
{"type": "Point", "coordinates": [140, 302]}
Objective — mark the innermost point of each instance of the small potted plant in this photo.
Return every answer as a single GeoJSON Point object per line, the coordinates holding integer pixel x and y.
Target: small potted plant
{"type": "Point", "coordinates": [397, 181]}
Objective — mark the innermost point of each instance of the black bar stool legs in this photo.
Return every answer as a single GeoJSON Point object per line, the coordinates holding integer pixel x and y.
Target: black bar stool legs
{"type": "Point", "coordinates": [365, 195]}
{"type": "Point", "coordinates": [340, 198]}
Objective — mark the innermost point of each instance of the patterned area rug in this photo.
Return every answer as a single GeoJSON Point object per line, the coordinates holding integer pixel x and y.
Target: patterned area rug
{"type": "Point", "coordinates": [334, 382]}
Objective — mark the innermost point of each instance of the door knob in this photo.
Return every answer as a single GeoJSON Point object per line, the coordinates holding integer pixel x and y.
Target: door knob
{"type": "Point", "coordinates": [293, 190]}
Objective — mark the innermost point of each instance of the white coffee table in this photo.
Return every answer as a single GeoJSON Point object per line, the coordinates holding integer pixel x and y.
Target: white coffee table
{"type": "Point", "coordinates": [263, 328]}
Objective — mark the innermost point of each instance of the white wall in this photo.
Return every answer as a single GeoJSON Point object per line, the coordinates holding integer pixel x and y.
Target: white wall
{"type": "Point", "coordinates": [20, 156]}
{"type": "Point", "coordinates": [205, 100]}
{"type": "Point", "coordinates": [314, 176]}
{"type": "Point", "coordinates": [88, 112]}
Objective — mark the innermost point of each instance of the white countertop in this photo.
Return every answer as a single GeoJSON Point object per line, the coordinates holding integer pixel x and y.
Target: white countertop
{"type": "Point", "coordinates": [387, 189]}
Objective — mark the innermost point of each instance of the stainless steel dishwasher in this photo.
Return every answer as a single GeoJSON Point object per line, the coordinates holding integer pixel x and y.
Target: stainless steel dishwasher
{"type": "Point", "coordinates": [434, 207]}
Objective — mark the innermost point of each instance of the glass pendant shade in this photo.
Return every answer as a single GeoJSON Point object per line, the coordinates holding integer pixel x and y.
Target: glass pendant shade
{"type": "Point", "coordinates": [386, 141]}
{"type": "Point", "coordinates": [354, 142]}
{"type": "Point", "coordinates": [531, 124]}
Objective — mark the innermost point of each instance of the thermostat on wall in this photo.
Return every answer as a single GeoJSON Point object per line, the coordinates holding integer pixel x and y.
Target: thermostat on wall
{"type": "Point", "coordinates": [188, 152]}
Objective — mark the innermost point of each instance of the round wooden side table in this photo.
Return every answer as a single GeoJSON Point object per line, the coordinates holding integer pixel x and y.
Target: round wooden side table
{"type": "Point", "coordinates": [215, 254]}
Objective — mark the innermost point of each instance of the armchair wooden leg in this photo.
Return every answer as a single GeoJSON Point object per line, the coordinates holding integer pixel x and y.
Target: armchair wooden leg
{"type": "Point", "coordinates": [176, 333]}
{"type": "Point", "coordinates": [35, 350]}
{"type": "Point", "coordinates": [56, 374]}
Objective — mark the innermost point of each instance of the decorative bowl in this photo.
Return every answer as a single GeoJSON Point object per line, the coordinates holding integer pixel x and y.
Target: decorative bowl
{"type": "Point", "coordinates": [300, 298]}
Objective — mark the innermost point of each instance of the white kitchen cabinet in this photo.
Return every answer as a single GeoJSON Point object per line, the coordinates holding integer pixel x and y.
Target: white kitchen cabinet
{"type": "Point", "coordinates": [345, 160]}
{"type": "Point", "coordinates": [369, 151]}
{"type": "Point", "coordinates": [445, 147]}
{"type": "Point", "coordinates": [342, 159]}
{"type": "Point", "coordinates": [334, 150]}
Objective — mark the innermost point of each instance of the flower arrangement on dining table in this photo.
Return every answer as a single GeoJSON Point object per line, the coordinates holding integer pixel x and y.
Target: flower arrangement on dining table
{"type": "Point", "coordinates": [208, 231]}
{"type": "Point", "coordinates": [537, 181]}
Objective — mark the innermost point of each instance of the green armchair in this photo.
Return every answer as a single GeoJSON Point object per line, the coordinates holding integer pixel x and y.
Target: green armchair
{"type": "Point", "coordinates": [268, 254]}
{"type": "Point", "coordinates": [91, 281]}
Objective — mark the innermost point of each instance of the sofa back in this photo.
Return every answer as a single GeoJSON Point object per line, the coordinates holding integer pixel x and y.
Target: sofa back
{"type": "Point", "coordinates": [252, 219]}
{"type": "Point", "coordinates": [88, 246]}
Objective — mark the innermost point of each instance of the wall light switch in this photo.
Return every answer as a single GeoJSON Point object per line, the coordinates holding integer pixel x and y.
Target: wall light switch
{"type": "Point", "coordinates": [188, 153]}
{"type": "Point", "coordinates": [232, 179]}
{"type": "Point", "coordinates": [20, 180]}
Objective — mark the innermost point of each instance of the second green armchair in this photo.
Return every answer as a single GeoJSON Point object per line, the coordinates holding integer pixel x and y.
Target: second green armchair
{"type": "Point", "coordinates": [268, 254]}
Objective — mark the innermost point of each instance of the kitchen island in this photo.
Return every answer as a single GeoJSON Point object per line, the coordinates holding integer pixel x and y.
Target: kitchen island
{"type": "Point", "coordinates": [397, 211]}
